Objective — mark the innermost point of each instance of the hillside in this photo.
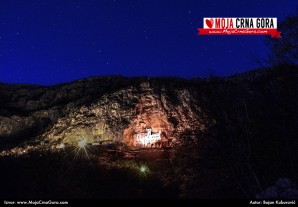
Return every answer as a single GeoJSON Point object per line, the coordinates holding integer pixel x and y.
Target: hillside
{"type": "Point", "coordinates": [242, 130]}
{"type": "Point", "coordinates": [101, 108]}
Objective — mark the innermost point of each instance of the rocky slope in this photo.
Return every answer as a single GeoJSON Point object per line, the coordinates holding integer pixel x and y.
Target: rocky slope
{"type": "Point", "coordinates": [97, 109]}
{"type": "Point", "coordinates": [115, 108]}
{"type": "Point", "coordinates": [235, 136]}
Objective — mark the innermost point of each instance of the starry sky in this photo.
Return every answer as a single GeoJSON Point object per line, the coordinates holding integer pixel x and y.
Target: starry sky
{"type": "Point", "coordinates": [55, 41]}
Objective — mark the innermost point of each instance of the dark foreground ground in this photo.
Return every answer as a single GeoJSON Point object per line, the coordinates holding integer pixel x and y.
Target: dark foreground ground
{"type": "Point", "coordinates": [73, 173]}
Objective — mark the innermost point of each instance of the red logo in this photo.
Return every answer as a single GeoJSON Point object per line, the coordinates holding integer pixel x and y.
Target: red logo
{"type": "Point", "coordinates": [240, 26]}
{"type": "Point", "coordinates": [209, 22]}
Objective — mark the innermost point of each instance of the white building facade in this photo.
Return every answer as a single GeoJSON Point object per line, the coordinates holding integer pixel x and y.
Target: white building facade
{"type": "Point", "coordinates": [146, 139]}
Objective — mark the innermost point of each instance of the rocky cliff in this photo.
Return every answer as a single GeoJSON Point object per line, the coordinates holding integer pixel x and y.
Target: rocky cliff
{"type": "Point", "coordinates": [115, 108]}
{"type": "Point", "coordinates": [102, 108]}
{"type": "Point", "coordinates": [235, 136]}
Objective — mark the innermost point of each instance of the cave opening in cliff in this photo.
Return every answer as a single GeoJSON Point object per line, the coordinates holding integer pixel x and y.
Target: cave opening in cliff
{"type": "Point", "coordinates": [149, 129]}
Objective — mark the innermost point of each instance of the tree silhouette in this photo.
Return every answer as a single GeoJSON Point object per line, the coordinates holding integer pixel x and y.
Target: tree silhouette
{"type": "Point", "coordinates": [285, 50]}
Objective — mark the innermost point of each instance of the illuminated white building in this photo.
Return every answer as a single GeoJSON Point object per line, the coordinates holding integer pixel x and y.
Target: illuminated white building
{"type": "Point", "coordinates": [146, 139]}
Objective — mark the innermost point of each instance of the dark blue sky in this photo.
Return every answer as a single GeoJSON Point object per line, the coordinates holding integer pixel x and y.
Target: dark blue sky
{"type": "Point", "coordinates": [54, 41]}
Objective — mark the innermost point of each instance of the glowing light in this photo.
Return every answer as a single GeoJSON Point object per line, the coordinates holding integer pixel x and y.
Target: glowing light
{"type": "Point", "coordinates": [82, 143]}
{"type": "Point", "coordinates": [144, 169]}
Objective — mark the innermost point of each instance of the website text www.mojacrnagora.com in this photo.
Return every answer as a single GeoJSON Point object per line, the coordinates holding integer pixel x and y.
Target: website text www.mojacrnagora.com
{"type": "Point", "coordinates": [33, 202]}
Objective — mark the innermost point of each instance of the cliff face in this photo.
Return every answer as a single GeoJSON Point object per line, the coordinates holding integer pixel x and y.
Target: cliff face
{"type": "Point", "coordinates": [97, 109]}
{"type": "Point", "coordinates": [115, 108]}
{"type": "Point", "coordinates": [235, 136]}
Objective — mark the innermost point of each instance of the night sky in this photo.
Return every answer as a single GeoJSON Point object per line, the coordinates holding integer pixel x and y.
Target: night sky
{"type": "Point", "coordinates": [55, 41]}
